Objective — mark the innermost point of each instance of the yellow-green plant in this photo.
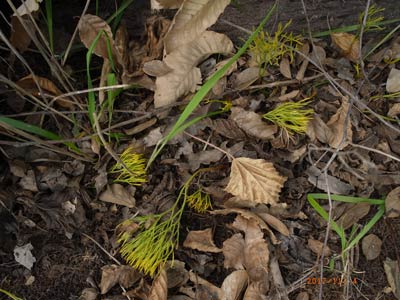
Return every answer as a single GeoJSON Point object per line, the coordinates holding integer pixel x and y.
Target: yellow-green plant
{"type": "Point", "coordinates": [136, 164]}
{"type": "Point", "coordinates": [199, 201]}
{"type": "Point", "coordinates": [149, 250]}
{"type": "Point", "coordinates": [269, 49]}
{"type": "Point", "coordinates": [374, 18]}
{"type": "Point", "coordinates": [292, 117]}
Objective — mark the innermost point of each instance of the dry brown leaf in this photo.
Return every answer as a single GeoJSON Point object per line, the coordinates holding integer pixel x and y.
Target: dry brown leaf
{"type": "Point", "coordinates": [233, 285]}
{"type": "Point", "coordinates": [185, 76]}
{"type": "Point", "coordinates": [113, 274]}
{"type": "Point", "coordinates": [354, 214]}
{"type": "Point", "coordinates": [393, 81]}
{"type": "Point", "coordinates": [252, 123]}
{"type": "Point", "coordinates": [392, 203]}
{"type": "Point", "coordinates": [227, 128]}
{"type": "Point", "coordinates": [19, 38]}
{"type": "Point", "coordinates": [117, 194]}
{"type": "Point", "coordinates": [191, 20]}
{"type": "Point", "coordinates": [394, 111]}
{"type": "Point", "coordinates": [337, 125]}
{"type": "Point", "coordinates": [255, 180]}
{"type": "Point", "coordinates": [348, 44]}
{"type": "Point", "coordinates": [121, 46]}
{"type": "Point", "coordinates": [256, 252]}
{"type": "Point", "coordinates": [371, 246]}
{"type": "Point", "coordinates": [255, 291]}
{"type": "Point", "coordinates": [284, 68]}
{"type": "Point", "coordinates": [177, 275]}
{"type": "Point", "coordinates": [203, 157]}
{"type": "Point", "coordinates": [302, 296]}
{"type": "Point", "coordinates": [28, 84]}
{"type": "Point", "coordinates": [392, 271]}
{"type": "Point", "coordinates": [233, 249]}
{"type": "Point", "coordinates": [275, 223]}
{"type": "Point", "coordinates": [165, 4]}
{"type": "Point", "coordinates": [318, 54]}
{"type": "Point", "coordinates": [159, 289]}
{"type": "Point", "coordinates": [89, 27]}
{"type": "Point", "coordinates": [156, 68]}
{"type": "Point", "coordinates": [213, 291]}
{"type": "Point", "coordinates": [89, 294]}
{"type": "Point", "coordinates": [317, 246]}
{"type": "Point", "coordinates": [201, 240]}
{"type": "Point", "coordinates": [246, 78]}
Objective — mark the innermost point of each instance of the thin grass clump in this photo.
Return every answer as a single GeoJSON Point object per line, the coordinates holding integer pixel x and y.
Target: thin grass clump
{"type": "Point", "coordinates": [292, 117]}
{"type": "Point", "coordinates": [148, 242]}
{"type": "Point", "coordinates": [269, 49]}
{"type": "Point", "coordinates": [132, 171]}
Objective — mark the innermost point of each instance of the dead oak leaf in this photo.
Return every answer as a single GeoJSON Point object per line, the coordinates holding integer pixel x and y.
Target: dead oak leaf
{"type": "Point", "coordinates": [201, 240]}
{"type": "Point", "coordinates": [348, 44]}
{"type": "Point", "coordinates": [191, 20]}
{"type": "Point", "coordinates": [340, 126]}
{"type": "Point", "coordinates": [255, 180]}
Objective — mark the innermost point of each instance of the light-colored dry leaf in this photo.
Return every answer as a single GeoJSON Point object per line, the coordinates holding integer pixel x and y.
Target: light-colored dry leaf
{"type": "Point", "coordinates": [185, 76]}
{"type": "Point", "coordinates": [394, 111]}
{"type": "Point", "coordinates": [393, 81]}
{"type": "Point", "coordinates": [89, 294]}
{"type": "Point", "coordinates": [109, 278]}
{"type": "Point", "coordinates": [166, 4]}
{"type": "Point", "coordinates": [337, 125]}
{"type": "Point", "coordinates": [318, 54]}
{"type": "Point", "coordinates": [233, 249]}
{"type": "Point", "coordinates": [353, 215]}
{"type": "Point", "coordinates": [153, 137]}
{"type": "Point", "coordinates": [371, 246]}
{"type": "Point", "coordinates": [28, 182]}
{"type": "Point", "coordinates": [156, 68]}
{"type": "Point", "coordinates": [284, 68]}
{"type": "Point", "coordinates": [334, 185]}
{"type": "Point", "coordinates": [89, 27]}
{"type": "Point", "coordinates": [159, 288]}
{"type": "Point", "coordinates": [234, 284]}
{"type": "Point", "coordinates": [275, 223]}
{"type": "Point", "coordinates": [255, 180]}
{"type": "Point", "coordinates": [191, 20]}
{"type": "Point", "coordinates": [289, 96]}
{"type": "Point", "coordinates": [201, 240]}
{"type": "Point", "coordinates": [29, 84]}
{"type": "Point", "coordinates": [245, 213]}
{"type": "Point", "coordinates": [255, 291]}
{"type": "Point", "coordinates": [252, 123]}
{"type": "Point", "coordinates": [348, 44]}
{"type": "Point", "coordinates": [392, 271]}
{"type": "Point", "coordinates": [392, 203]}
{"type": "Point", "coordinates": [121, 46]}
{"type": "Point", "coordinates": [302, 296]}
{"type": "Point", "coordinates": [317, 246]}
{"type": "Point", "coordinates": [246, 78]}
{"type": "Point", "coordinates": [117, 194]}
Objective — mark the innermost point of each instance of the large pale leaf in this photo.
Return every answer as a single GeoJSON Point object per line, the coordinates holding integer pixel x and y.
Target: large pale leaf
{"type": "Point", "coordinates": [89, 27]}
{"type": "Point", "coordinates": [185, 76]}
{"type": "Point", "coordinates": [201, 240]}
{"type": "Point", "coordinates": [159, 289]}
{"type": "Point", "coordinates": [165, 4]}
{"type": "Point", "coordinates": [255, 180]}
{"type": "Point", "coordinates": [234, 284]}
{"type": "Point", "coordinates": [191, 20]}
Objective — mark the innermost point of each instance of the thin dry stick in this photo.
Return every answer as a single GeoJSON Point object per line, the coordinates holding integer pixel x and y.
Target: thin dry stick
{"type": "Point", "coordinates": [283, 83]}
{"type": "Point", "coordinates": [376, 151]}
{"type": "Point", "coordinates": [74, 34]}
{"type": "Point", "coordinates": [230, 156]}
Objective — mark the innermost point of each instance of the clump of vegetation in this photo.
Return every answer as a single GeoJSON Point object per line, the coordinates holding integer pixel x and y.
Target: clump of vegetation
{"type": "Point", "coordinates": [133, 169]}
{"type": "Point", "coordinates": [292, 117]}
{"type": "Point", "coordinates": [270, 49]}
{"type": "Point", "coordinates": [374, 18]}
{"type": "Point", "coordinates": [158, 235]}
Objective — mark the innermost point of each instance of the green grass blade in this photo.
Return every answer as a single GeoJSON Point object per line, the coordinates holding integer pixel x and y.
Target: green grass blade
{"type": "Point", "coordinates": [199, 96]}
{"type": "Point", "coordinates": [351, 28]}
{"type": "Point", "coordinates": [347, 199]}
{"type": "Point", "coordinates": [367, 227]}
{"type": "Point", "coordinates": [35, 130]}
{"type": "Point", "coordinates": [120, 11]}
{"type": "Point", "coordinates": [12, 296]}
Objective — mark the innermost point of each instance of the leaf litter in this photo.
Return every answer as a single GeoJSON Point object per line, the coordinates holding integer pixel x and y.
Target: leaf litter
{"type": "Point", "coordinates": [261, 234]}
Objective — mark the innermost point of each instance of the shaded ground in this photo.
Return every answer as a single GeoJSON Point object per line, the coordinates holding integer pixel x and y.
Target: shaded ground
{"type": "Point", "coordinates": [68, 262]}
